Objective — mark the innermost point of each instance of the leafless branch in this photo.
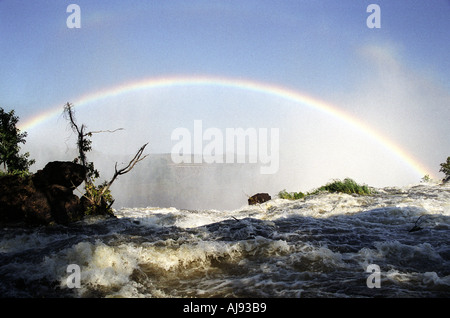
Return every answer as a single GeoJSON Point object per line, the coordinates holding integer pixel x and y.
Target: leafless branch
{"type": "Point", "coordinates": [137, 158]}
{"type": "Point", "coordinates": [103, 131]}
{"type": "Point", "coordinates": [416, 226]}
{"type": "Point", "coordinates": [83, 194]}
{"type": "Point", "coordinates": [68, 108]}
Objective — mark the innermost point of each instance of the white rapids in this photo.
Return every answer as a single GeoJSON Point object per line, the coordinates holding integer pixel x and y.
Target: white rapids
{"type": "Point", "coordinates": [320, 246]}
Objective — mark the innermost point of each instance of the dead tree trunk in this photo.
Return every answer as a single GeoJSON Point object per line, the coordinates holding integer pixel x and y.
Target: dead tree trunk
{"type": "Point", "coordinates": [98, 199]}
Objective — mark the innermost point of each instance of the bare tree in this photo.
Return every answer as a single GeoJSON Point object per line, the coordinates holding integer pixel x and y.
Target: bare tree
{"type": "Point", "coordinates": [99, 197]}
{"type": "Point", "coordinates": [104, 189]}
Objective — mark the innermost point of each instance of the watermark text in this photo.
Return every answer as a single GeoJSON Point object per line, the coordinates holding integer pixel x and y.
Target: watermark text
{"type": "Point", "coordinates": [374, 279]}
{"type": "Point", "coordinates": [74, 19]}
{"type": "Point", "coordinates": [234, 145]}
{"type": "Point", "coordinates": [74, 279]}
{"type": "Point", "coordinates": [374, 19]}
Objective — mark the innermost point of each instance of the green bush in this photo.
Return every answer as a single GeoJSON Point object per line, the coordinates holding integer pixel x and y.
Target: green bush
{"type": "Point", "coordinates": [426, 178]}
{"type": "Point", "coordinates": [291, 195]}
{"type": "Point", "coordinates": [10, 140]}
{"type": "Point", "coordinates": [445, 168]}
{"type": "Point", "coordinates": [348, 186]}
{"type": "Point", "coordinates": [100, 200]}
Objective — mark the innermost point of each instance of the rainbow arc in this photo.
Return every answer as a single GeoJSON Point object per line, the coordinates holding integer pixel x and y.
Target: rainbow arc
{"type": "Point", "coordinates": [249, 85]}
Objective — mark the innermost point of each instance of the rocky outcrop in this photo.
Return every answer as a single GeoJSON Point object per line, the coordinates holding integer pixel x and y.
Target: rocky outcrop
{"type": "Point", "coordinates": [44, 197]}
{"type": "Point", "coordinates": [63, 173]}
{"type": "Point", "coordinates": [259, 198]}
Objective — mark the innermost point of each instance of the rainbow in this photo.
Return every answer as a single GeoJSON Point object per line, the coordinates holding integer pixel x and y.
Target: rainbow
{"type": "Point", "coordinates": [243, 84]}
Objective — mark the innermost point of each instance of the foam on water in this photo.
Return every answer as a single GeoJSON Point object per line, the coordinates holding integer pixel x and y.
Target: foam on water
{"type": "Point", "coordinates": [315, 247]}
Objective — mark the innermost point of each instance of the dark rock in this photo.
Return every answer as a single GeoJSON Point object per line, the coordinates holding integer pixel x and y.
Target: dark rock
{"type": "Point", "coordinates": [67, 174]}
{"type": "Point", "coordinates": [66, 206]}
{"type": "Point", "coordinates": [20, 201]}
{"type": "Point", "coordinates": [259, 198]}
{"type": "Point", "coordinates": [43, 198]}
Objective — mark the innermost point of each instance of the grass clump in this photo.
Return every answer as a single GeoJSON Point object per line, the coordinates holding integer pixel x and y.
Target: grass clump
{"type": "Point", "coordinates": [291, 195]}
{"type": "Point", "coordinates": [348, 186]}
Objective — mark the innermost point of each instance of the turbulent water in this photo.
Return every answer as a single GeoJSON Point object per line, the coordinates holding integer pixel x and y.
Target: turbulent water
{"type": "Point", "coordinates": [320, 246]}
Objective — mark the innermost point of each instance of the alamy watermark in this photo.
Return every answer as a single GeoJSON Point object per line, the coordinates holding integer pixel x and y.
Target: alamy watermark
{"type": "Point", "coordinates": [374, 19]}
{"type": "Point", "coordinates": [74, 279]}
{"type": "Point", "coordinates": [374, 279]}
{"type": "Point", "coordinates": [74, 19]}
{"type": "Point", "coordinates": [232, 145]}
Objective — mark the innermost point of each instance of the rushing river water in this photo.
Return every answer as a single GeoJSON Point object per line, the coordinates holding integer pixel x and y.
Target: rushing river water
{"type": "Point", "coordinates": [321, 246]}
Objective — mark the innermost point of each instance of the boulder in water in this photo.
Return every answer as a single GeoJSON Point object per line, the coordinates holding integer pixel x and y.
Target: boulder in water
{"type": "Point", "coordinates": [259, 198]}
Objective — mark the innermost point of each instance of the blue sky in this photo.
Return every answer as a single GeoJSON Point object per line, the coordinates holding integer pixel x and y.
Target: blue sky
{"type": "Point", "coordinates": [306, 44]}
{"type": "Point", "coordinates": [396, 78]}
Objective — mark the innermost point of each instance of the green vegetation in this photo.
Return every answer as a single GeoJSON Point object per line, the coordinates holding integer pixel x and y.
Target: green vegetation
{"type": "Point", "coordinates": [100, 198]}
{"type": "Point", "coordinates": [10, 138]}
{"type": "Point", "coordinates": [348, 186]}
{"type": "Point", "coordinates": [426, 178]}
{"type": "Point", "coordinates": [20, 173]}
{"type": "Point", "coordinates": [291, 195]}
{"type": "Point", "coordinates": [445, 168]}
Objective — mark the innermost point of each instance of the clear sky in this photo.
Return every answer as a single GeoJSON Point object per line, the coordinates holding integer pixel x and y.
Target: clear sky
{"type": "Point", "coordinates": [395, 78]}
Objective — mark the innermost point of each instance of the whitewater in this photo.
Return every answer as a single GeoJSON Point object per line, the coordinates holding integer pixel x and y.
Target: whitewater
{"type": "Point", "coordinates": [319, 246]}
